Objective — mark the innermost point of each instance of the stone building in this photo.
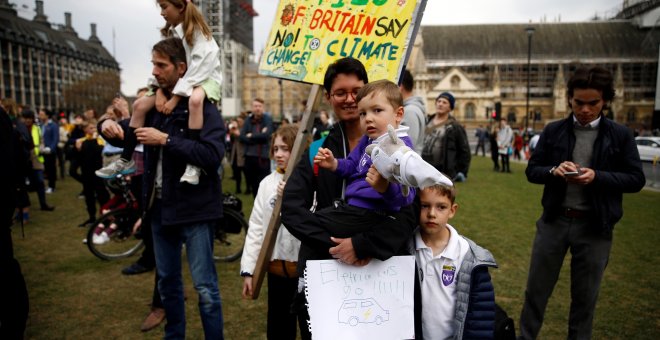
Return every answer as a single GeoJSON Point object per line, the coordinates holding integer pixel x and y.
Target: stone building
{"type": "Point", "coordinates": [53, 68]}
{"type": "Point", "coordinates": [292, 94]}
{"type": "Point", "coordinates": [486, 66]}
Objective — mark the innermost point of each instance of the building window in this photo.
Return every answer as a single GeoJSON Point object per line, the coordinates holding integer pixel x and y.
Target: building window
{"type": "Point", "coordinates": [455, 82]}
{"type": "Point", "coordinates": [630, 117]}
{"type": "Point", "coordinates": [470, 111]}
{"type": "Point", "coordinates": [511, 116]}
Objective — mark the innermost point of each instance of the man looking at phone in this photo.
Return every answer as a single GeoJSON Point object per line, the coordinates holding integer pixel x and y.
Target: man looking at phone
{"type": "Point", "coordinates": [586, 163]}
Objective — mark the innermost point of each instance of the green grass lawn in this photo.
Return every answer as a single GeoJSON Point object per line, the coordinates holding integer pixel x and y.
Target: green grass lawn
{"type": "Point", "coordinates": [75, 295]}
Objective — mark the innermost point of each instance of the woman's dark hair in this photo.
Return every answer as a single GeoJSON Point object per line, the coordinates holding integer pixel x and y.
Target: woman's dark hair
{"type": "Point", "coordinates": [28, 114]}
{"type": "Point", "coordinates": [344, 66]}
{"type": "Point", "coordinates": [597, 78]}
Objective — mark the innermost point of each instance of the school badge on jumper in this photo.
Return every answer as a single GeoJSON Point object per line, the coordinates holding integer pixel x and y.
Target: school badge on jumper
{"type": "Point", "coordinates": [448, 272]}
{"type": "Point", "coordinates": [363, 162]}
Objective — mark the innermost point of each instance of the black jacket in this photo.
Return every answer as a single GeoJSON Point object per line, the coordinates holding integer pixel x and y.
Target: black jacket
{"type": "Point", "coordinates": [450, 155]}
{"type": "Point", "coordinates": [382, 242]}
{"type": "Point", "coordinates": [257, 145]}
{"type": "Point", "coordinates": [14, 302]}
{"type": "Point", "coordinates": [91, 159]}
{"type": "Point", "coordinates": [615, 160]}
{"type": "Point", "coordinates": [9, 179]}
{"type": "Point", "coordinates": [183, 203]}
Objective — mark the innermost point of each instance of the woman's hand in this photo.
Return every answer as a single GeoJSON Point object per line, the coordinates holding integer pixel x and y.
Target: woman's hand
{"type": "Point", "coordinates": [343, 251]}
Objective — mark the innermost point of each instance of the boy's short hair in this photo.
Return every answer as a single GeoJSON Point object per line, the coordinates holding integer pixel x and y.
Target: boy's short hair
{"type": "Point", "coordinates": [444, 190]}
{"type": "Point", "coordinates": [344, 66]}
{"type": "Point", "coordinates": [386, 87]}
{"type": "Point", "coordinates": [88, 122]}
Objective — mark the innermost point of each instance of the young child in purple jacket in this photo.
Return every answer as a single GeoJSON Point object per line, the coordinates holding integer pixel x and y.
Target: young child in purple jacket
{"type": "Point", "coordinates": [369, 197]}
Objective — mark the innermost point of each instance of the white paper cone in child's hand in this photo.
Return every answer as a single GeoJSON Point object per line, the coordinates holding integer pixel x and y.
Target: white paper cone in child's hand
{"type": "Point", "coordinates": [395, 161]}
{"type": "Point", "coordinates": [416, 172]}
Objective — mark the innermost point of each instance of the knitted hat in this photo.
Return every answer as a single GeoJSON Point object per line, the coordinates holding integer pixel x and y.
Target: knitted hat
{"type": "Point", "coordinates": [449, 98]}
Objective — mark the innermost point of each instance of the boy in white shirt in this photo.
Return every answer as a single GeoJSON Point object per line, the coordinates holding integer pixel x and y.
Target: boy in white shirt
{"type": "Point", "coordinates": [454, 296]}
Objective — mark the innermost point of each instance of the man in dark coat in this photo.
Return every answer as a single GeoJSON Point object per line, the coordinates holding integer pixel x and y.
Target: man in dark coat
{"type": "Point", "coordinates": [13, 293]}
{"type": "Point", "coordinates": [180, 212]}
{"type": "Point", "coordinates": [586, 163]}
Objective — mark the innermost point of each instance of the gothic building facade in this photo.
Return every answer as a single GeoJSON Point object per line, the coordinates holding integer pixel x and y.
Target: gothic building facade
{"type": "Point", "coordinates": [43, 66]}
{"type": "Point", "coordinates": [283, 97]}
{"type": "Point", "coordinates": [486, 67]}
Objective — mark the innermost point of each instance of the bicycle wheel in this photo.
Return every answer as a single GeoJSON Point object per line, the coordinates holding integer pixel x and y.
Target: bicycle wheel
{"type": "Point", "coordinates": [121, 242]}
{"type": "Point", "coordinates": [230, 237]}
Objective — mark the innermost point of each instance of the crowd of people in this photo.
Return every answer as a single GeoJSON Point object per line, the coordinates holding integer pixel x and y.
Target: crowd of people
{"type": "Point", "coordinates": [336, 204]}
{"type": "Point", "coordinates": [343, 231]}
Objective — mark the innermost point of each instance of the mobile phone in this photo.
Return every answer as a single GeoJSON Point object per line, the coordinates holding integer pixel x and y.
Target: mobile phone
{"type": "Point", "coordinates": [118, 95]}
{"type": "Point", "coordinates": [571, 173]}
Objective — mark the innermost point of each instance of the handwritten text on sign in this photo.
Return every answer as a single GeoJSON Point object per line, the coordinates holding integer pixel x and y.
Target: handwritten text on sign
{"type": "Point", "coordinates": [371, 302]}
{"type": "Point", "coordinates": [308, 35]}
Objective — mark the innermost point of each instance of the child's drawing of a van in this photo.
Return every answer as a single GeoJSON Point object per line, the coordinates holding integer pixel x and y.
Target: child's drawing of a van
{"type": "Point", "coordinates": [354, 311]}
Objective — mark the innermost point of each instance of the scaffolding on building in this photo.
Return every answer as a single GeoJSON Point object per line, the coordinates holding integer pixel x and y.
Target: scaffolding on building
{"type": "Point", "coordinates": [231, 25]}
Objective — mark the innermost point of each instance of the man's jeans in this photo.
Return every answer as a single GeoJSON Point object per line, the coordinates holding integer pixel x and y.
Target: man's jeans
{"type": "Point", "coordinates": [168, 242]}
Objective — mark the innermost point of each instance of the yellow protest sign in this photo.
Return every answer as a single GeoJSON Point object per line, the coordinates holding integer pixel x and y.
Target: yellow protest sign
{"type": "Point", "coordinates": [308, 35]}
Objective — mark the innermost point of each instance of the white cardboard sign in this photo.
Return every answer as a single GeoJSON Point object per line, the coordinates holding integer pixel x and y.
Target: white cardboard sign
{"type": "Point", "coordinates": [371, 302]}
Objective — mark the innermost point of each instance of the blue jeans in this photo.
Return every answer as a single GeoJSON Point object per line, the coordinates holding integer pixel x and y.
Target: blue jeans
{"type": "Point", "coordinates": [37, 181]}
{"type": "Point", "coordinates": [168, 241]}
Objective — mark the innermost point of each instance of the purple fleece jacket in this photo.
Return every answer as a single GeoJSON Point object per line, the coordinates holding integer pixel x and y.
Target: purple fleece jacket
{"type": "Point", "coordinates": [358, 192]}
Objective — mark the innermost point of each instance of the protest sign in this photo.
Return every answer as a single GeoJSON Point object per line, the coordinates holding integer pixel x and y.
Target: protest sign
{"type": "Point", "coordinates": [371, 302]}
{"type": "Point", "coordinates": [308, 35]}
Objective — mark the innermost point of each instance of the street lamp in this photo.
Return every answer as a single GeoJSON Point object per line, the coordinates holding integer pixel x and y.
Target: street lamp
{"type": "Point", "coordinates": [279, 81]}
{"type": "Point", "coordinates": [530, 31]}
{"type": "Point", "coordinates": [537, 116]}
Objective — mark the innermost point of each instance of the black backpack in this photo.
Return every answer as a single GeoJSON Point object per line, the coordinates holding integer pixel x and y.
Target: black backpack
{"type": "Point", "coordinates": [504, 327]}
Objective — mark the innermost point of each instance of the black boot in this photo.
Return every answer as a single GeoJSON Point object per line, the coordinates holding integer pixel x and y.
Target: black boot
{"type": "Point", "coordinates": [86, 223]}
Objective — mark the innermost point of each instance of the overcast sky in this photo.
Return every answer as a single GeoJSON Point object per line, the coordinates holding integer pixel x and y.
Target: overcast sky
{"type": "Point", "coordinates": [136, 22]}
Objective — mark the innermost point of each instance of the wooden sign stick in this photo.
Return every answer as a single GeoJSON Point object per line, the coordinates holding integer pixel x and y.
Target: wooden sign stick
{"type": "Point", "coordinates": [304, 132]}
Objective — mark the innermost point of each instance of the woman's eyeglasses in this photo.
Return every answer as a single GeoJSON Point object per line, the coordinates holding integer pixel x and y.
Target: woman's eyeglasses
{"type": "Point", "coordinates": [343, 95]}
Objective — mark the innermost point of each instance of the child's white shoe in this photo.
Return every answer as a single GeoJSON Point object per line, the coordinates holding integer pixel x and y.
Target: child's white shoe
{"type": "Point", "coordinates": [103, 238]}
{"type": "Point", "coordinates": [191, 175]}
